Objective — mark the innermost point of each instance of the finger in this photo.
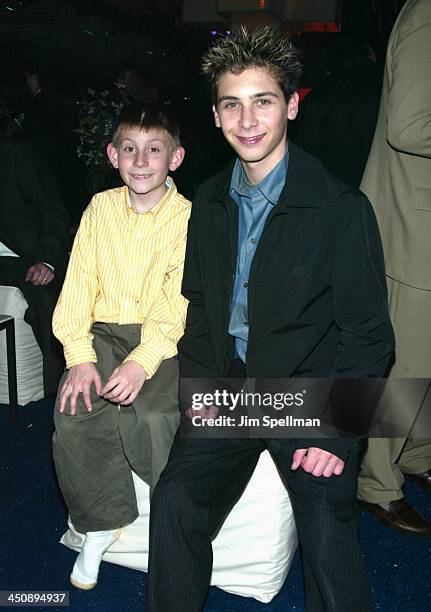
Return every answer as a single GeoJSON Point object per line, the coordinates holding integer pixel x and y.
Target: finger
{"type": "Point", "coordinates": [38, 277]}
{"type": "Point", "coordinates": [109, 386]}
{"type": "Point", "coordinates": [127, 397]}
{"type": "Point", "coordinates": [29, 274]}
{"type": "Point", "coordinates": [114, 393]}
{"type": "Point", "coordinates": [298, 456]}
{"type": "Point", "coordinates": [97, 383]}
{"type": "Point", "coordinates": [319, 467]}
{"type": "Point", "coordinates": [330, 466]}
{"type": "Point", "coordinates": [312, 459]}
{"type": "Point", "coordinates": [72, 401]}
{"type": "Point", "coordinates": [64, 394]}
{"type": "Point", "coordinates": [339, 467]}
{"type": "Point", "coordinates": [210, 412]}
{"type": "Point", "coordinates": [213, 412]}
{"type": "Point", "coordinates": [132, 397]}
{"type": "Point", "coordinates": [86, 396]}
{"type": "Point", "coordinates": [308, 464]}
{"type": "Point", "coordinates": [123, 394]}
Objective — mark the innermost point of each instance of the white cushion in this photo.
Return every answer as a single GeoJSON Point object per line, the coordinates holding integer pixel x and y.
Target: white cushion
{"type": "Point", "coordinates": [253, 550]}
{"type": "Point", "coordinates": [28, 356]}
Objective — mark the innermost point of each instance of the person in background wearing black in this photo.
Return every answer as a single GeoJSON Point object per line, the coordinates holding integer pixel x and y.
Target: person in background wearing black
{"type": "Point", "coordinates": [34, 239]}
{"type": "Point", "coordinates": [337, 119]}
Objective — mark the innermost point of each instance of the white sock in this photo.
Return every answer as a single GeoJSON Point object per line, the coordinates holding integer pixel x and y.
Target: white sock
{"type": "Point", "coordinates": [86, 568]}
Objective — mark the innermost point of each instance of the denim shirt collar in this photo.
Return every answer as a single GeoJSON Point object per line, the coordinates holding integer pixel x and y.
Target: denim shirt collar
{"type": "Point", "coordinates": [270, 187]}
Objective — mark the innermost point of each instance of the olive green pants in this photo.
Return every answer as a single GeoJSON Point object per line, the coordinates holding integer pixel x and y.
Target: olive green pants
{"type": "Point", "coordinates": [381, 478]}
{"type": "Point", "coordinates": [95, 452]}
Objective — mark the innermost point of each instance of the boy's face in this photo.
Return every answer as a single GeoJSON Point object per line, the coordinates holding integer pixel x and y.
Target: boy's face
{"type": "Point", "coordinates": [144, 159]}
{"type": "Point", "coordinates": [253, 113]}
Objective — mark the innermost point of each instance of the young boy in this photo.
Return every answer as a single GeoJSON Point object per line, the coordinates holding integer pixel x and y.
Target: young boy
{"type": "Point", "coordinates": [119, 316]}
{"type": "Point", "coordinates": [285, 278]}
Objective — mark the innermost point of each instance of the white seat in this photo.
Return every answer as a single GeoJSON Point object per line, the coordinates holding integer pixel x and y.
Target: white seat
{"type": "Point", "coordinates": [253, 550]}
{"type": "Point", "coordinates": [28, 356]}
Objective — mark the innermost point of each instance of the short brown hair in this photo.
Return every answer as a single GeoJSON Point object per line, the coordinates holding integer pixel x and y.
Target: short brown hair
{"type": "Point", "coordinates": [148, 117]}
{"type": "Point", "coordinates": [262, 48]}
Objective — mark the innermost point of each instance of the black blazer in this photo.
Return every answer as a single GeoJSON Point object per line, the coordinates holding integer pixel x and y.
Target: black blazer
{"type": "Point", "coordinates": [33, 221]}
{"type": "Point", "coordinates": [317, 290]}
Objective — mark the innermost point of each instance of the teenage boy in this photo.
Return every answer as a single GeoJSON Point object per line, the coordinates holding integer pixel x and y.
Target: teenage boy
{"type": "Point", "coordinates": [119, 316]}
{"type": "Point", "coordinates": [284, 275]}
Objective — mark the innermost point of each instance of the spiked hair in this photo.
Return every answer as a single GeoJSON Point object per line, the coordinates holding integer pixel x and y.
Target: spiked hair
{"type": "Point", "coordinates": [262, 48]}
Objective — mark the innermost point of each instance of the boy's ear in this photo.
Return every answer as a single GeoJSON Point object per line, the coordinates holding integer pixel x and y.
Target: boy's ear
{"type": "Point", "coordinates": [112, 154]}
{"type": "Point", "coordinates": [293, 105]}
{"type": "Point", "coordinates": [177, 158]}
{"type": "Point", "coordinates": [216, 116]}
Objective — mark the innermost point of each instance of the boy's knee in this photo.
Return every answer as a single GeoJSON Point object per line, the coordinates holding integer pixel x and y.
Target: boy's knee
{"type": "Point", "coordinates": [166, 420]}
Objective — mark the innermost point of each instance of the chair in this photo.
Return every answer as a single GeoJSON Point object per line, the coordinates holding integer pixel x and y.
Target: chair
{"type": "Point", "coordinates": [28, 356]}
{"type": "Point", "coordinates": [253, 550]}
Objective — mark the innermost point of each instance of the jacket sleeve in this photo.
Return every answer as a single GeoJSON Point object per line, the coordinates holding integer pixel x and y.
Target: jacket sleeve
{"type": "Point", "coordinates": [195, 353]}
{"type": "Point", "coordinates": [39, 186]}
{"type": "Point", "coordinates": [366, 343]}
{"type": "Point", "coordinates": [409, 103]}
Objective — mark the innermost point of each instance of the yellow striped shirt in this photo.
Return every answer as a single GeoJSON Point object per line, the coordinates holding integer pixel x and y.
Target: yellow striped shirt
{"type": "Point", "coordinates": [126, 267]}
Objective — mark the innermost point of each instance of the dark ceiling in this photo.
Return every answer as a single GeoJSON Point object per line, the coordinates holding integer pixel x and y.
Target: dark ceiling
{"type": "Point", "coordinates": [88, 40]}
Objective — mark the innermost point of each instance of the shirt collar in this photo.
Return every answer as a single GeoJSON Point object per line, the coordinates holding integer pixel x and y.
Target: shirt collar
{"type": "Point", "coordinates": [270, 187]}
{"type": "Point", "coordinates": [157, 209]}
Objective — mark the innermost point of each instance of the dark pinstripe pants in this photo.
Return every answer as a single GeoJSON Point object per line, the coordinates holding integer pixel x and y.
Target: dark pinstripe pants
{"type": "Point", "coordinates": [199, 486]}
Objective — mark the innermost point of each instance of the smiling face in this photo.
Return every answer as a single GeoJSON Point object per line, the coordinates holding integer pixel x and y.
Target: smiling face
{"type": "Point", "coordinates": [253, 113]}
{"type": "Point", "coordinates": [144, 159]}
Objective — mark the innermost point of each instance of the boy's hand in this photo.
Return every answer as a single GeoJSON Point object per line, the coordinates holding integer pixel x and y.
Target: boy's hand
{"type": "Point", "coordinates": [125, 383]}
{"type": "Point", "coordinates": [79, 380]}
{"type": "Point", "coordinates": [317, 462]}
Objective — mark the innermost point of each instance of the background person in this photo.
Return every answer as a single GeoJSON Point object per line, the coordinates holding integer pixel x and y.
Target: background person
{"type": "Point", "coordinates": [397, 180]}
{"type": "Point", "coordinates": [34, 240]}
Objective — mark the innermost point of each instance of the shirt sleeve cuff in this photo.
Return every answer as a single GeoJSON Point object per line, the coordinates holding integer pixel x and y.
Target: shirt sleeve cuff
{"type": "Point", "coordinates": [148, 358]}
{"type": "Point", "coordinates": [79, 351]}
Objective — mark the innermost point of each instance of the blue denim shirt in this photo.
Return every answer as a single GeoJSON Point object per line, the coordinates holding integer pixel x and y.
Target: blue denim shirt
{"type": "Point", "coordinates": [255, 202]}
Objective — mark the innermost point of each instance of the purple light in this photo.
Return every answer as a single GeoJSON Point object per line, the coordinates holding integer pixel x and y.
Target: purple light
{"type": "Point", "coordinates": [214, 32]}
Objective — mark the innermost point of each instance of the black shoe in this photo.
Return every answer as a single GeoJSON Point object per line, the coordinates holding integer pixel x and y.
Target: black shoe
{"type": "Point", "coordinates": [422, 480]}
{"type": "Point", "coordinates": [400, 516]}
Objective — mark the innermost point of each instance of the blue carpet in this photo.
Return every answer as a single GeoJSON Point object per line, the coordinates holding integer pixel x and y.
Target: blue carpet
{"type": "Point", "coordinates": [32, 519]}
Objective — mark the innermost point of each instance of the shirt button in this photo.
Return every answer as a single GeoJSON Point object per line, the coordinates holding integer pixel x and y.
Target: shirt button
{"type": "Point", "coordinates": [245, 285]}
{"type": "Point", "coordinates": [253, 241]}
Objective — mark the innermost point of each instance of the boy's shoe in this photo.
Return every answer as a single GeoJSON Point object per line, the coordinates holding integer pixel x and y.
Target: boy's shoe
{"type": "Point", "coordinates": [86, 568]}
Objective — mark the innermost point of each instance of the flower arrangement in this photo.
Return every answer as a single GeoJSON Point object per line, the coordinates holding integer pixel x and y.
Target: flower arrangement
{"type": "Point", "coordinates": [97, 113]}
